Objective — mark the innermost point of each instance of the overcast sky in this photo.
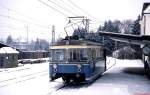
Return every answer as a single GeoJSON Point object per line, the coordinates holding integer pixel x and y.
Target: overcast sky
{"type": "Point", "coordinates": [19, 16]}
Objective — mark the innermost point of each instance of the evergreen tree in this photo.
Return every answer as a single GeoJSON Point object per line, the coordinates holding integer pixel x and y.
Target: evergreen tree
{"type": "Point", "coordinates": [9, 40]}
{"type": "Point", "coordinates": [40, 44]}
{"type": "Point", "coordinates": [111, 26]}
{"type": "Point", "coordinates": [37, 44]}
{"type": "Point", "coordinates": [105, 25]}
{"type": "Point", "coordinates": [100, 28]}
{"type": "Point", "coordinates": [136, 27]}
{"type": "Point", "coordinates": [79, 32]}
{"type": "Point", "coordinates": [116, 25]}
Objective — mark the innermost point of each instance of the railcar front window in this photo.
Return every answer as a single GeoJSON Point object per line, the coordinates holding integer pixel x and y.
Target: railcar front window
{"type": "Point", "coordinates": [58, 55]}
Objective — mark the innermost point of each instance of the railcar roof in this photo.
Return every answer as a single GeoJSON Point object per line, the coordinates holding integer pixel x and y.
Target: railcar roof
{"type": "Point", "coordinates": [77, 42]}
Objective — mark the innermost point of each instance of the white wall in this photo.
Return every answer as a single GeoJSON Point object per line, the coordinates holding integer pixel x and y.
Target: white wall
{"type": "Point", "coordinates": [147, 27]}
{"type": "Point", "coordinates": [145, 22]}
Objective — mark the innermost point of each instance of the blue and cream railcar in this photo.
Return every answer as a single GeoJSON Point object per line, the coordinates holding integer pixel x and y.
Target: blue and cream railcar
{"type": "Point", "coordinates": [77, 60]}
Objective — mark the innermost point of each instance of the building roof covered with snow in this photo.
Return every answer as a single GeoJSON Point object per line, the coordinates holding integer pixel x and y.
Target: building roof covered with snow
{"type": "Point", "coordinates": [146, 8]}
{"type": "Point", "coordinates": [7, 50]}
{"type": "Point", "coordinates": [2, 45]}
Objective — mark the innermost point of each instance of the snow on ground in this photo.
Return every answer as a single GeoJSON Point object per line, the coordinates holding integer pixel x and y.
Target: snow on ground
{"type": "Point", "coordinates": [123, 77]}
{"type": "Point", "coordinates": [126, 77]}
{"type": "Point", "coordinates": [28, 79]}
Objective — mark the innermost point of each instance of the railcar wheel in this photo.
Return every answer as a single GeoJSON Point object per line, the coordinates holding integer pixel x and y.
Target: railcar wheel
{"type": "Point", "coordinates": [66, 79]}
{"type": "Point", "coordinates": [79, 78]}
{"type": "Point", "coordinates": [147, 70]}
{"type": "Point", "coordinates": [52, 78]}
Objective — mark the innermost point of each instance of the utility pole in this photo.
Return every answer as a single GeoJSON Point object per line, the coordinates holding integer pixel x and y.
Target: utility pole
{"type": "Point", "coordinates": [116, 45]}
{"type": "Point", "coordinates": [53, 34]}
{"type": "Point", "coordinates": [87, 25]}
{"type": "Point", "coordinates": [27, 38]}
{"type": "Point", "coordinates": [27, 29]}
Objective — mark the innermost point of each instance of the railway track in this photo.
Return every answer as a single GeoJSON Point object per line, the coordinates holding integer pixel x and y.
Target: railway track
{"type": "Point", "coordinates": [62, 85]}
{"type": "Point", "coordinates": [59, 87]}
{"type": "Point", "coordinates": [15, 70]}
{"type": "Point", "coordinates": [33, 77]}
{"type": "Point", "coordinates": [22, 78]}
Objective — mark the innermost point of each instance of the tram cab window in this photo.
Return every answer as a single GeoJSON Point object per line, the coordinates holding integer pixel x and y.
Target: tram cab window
{"type": "Point", "coordinates": [58, 55]}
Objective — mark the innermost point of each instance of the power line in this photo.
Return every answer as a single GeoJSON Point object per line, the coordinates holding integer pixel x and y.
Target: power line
{"type": "Point", "coordinates": [24, 21]}
{"type": "Point", "coordinates": [62, 7]}
{"type": "Point", "coordinates": [53, 8]}
{"type": "Point", "coordinates": [71, 2]}
{"type": "Point", "coordinates": [19, 13]}
{"type": "Point", "coordinates": [78, 7]}
{"type": "Point", "coordinates": [66, 4]}
{"type": "Point", "coordinates": [8, 27]}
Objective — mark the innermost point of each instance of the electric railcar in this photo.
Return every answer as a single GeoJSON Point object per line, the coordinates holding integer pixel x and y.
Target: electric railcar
{"type": "Point", "coordinates": [77, 60]}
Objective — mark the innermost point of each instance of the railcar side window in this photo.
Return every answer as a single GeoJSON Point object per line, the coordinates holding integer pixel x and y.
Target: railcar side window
{"type": "Point", "coordinates": [83, 54]}
{"type": "Point", "coordinates": [101, 53]}
{"type": "Point", "coordinates": [91, 54]}
{"type": "Point", "coordinates": [74, 55]}
{"type": "Point", "coordinates": [93, 51]}
{"type": "Point", "coordinates": [77, 55]}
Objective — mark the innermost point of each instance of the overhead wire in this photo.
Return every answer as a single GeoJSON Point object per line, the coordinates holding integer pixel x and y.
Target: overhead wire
{"type": "Point", "coordinates": [29, 20]}
{"type": "Point", "coordinates": [70, 2]}
{"type": "Point", "coordinates": [78, 7]}
{"type": "Point", "coordinates": [64, 14]}
{"type": "Point", "coordinates": [9, 27]}
{"type": "Point", "coordinates": [53, 8]}
{"type": "Point", "coordinates": [20, 20]}
{"type": "Point", "coordinates": [63, 8]}
{"type": "Point", "coordinates": [19, 13]}
{"type": "Point", "coordinates": [85, 12]}
{"type": "Point", "coordinates": [23, 21]}
{"type": "Point", "coordinates": [67, 5]}
{"type": "Point", "coordinates": [66, 9]}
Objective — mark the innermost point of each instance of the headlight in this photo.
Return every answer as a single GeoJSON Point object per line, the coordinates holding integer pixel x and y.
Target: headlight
{"type": "Point", "coordinates": [54, 66]}
{"type": "Point", "coordinates": [79, 65]}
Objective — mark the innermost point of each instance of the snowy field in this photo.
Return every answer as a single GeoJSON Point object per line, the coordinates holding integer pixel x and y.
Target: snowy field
{"type": "Point", "coordinates": [126, 77]}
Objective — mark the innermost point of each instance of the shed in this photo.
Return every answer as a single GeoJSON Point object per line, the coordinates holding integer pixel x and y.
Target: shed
{"type": "Point", "coordinates": [8, 57]}
{"type": "Point", "coordinates": [125, 53]}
